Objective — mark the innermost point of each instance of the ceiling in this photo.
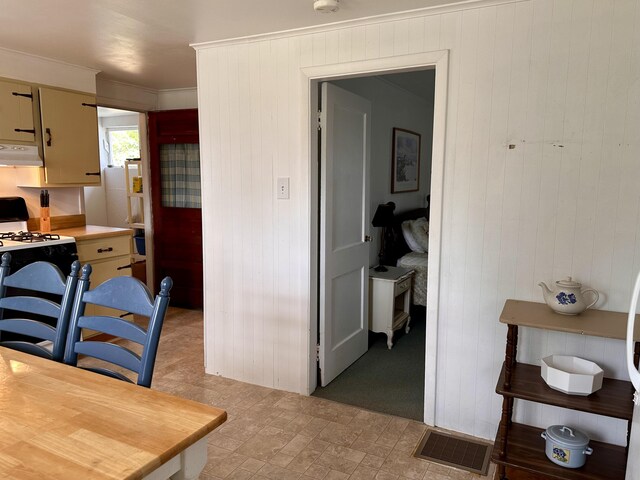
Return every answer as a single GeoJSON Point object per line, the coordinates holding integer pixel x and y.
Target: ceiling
{"type": "Point", "coordinates": [146, 42]}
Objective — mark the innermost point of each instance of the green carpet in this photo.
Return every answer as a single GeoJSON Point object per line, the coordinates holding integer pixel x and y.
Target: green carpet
{"type": "Point", "coordinates": [383, 380]}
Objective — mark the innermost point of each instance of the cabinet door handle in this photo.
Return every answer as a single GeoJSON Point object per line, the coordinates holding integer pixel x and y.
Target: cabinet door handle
{"type": "Point", "coordinates": [97, 174]}
{"type": "Point", "coordinates": [123, 267]}
{"type": "Point", "coordinates": [24, 130]}
{"type": "Point", "coordinates": [48, 133]}
{"type": "Point", "coordinates": [103, 250]}
{"type": "Point", "coordinates": [18, 94]}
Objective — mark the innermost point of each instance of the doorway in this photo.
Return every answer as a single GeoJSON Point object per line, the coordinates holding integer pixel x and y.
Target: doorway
{"type": "Point", "coordinates": [387, 380]}
{"type": "Point", "coordinates": [174, 155]}
{"type": "Point", "coordinates": [123, 144]}
{"type": "Point", "coordinates": [410, 63]}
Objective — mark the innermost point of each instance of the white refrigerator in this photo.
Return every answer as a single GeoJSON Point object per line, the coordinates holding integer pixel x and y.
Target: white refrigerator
{"type": "Point", "coordinates": [633, 462]}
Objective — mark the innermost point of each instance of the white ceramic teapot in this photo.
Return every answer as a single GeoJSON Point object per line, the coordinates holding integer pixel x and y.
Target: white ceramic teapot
{"type": "Point", "coordinates": [568, 297]}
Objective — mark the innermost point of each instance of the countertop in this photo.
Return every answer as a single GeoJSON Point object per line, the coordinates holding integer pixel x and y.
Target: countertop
{"type": "Point", "coordinates": [88, 232]}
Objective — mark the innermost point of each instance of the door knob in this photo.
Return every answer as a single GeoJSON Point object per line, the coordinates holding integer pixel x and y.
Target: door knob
{"type": "Point", "coordinates": [367, 238]}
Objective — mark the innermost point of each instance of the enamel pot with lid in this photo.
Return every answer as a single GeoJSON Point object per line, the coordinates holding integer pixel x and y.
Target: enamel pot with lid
{"type": "Point", "coordinates": [566, 446]}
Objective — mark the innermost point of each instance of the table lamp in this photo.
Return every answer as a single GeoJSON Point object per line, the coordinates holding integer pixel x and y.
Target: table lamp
{"type": "Point", "coordinates": [383, 218]}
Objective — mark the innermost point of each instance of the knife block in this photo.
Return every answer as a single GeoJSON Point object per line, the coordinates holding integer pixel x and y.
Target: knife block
{"type": "Point", "coordinates": [45, 220]}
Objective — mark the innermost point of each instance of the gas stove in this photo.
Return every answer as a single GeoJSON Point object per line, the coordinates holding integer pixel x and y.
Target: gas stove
{"type": "Point", "coordinates": [20, 239]}
{"type": "Point", "coordinates": [27, 247]}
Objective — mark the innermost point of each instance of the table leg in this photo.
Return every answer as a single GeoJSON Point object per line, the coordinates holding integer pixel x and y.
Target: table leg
{"type": "Point", "coordinates": [192, 461]}
{"type": "Point", "coordinates": [390, 338]}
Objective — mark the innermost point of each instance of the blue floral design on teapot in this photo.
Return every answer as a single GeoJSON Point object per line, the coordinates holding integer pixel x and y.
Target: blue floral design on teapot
{"type": "Point", "coordinates": [565, 299]}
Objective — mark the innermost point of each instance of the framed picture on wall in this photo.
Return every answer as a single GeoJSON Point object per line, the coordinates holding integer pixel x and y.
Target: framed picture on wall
{"type": "Point", "coordinates": [405, 161]}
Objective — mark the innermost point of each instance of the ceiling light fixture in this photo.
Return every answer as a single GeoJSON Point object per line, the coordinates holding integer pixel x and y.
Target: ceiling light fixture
{"type": "Point", "coordinates": [326, 6]}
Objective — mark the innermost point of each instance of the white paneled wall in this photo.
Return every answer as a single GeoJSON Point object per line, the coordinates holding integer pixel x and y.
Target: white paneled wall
{"type": "Point", "coordinates": [542, 180]}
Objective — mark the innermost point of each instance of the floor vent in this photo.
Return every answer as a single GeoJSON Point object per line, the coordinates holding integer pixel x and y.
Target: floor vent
{"type": "Point", "coordinates": [455, 452]}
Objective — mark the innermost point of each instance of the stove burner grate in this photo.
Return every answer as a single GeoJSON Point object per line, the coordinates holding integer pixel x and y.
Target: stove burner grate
{"type": "Point", "coordinates": [29, 237]}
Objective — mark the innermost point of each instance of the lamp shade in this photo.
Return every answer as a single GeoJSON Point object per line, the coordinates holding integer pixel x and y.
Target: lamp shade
{"type": "Point", "coordinates": [384, 215]}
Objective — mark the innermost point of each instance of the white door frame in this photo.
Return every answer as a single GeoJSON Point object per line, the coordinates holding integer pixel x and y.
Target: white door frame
{"type": "Point", "coordinates": [310, 77]}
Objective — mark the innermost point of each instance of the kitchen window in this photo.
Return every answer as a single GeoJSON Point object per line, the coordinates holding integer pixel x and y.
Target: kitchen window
{"type": "Point", "coordinates": [124, 143]}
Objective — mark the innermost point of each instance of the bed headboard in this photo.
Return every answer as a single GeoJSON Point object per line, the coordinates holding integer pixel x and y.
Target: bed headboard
{"type": "Point", "coordinates": [395, 245]}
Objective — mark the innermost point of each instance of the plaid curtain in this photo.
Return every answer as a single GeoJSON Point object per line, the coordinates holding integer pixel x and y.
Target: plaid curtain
{"type": "Point", "coordinates": [180, 175]}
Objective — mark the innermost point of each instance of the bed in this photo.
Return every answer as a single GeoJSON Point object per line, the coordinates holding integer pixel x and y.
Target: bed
{"type": "Point", "coordinates": [397, 252]}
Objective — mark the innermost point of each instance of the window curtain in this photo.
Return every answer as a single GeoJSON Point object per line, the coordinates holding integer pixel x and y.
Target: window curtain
{"type": "Point", "coordinates": [180, 175]}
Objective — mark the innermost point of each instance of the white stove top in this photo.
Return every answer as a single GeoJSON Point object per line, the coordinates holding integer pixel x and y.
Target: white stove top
{"type": "Point", "coordinates": [9, 245]}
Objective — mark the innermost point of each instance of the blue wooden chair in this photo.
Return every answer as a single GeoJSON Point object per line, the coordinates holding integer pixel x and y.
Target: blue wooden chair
{"type": "Point", "coordinates": [126, 294]}
{"type": "Point", "coordinates": [33, 280]}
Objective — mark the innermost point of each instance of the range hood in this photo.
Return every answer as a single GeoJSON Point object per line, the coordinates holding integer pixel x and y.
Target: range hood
{"type": "Point", "coordinates": [19, 155]}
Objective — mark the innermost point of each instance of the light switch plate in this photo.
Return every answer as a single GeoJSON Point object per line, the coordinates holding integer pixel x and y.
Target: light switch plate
{"type": "Point", "coordinates": [283, 188]}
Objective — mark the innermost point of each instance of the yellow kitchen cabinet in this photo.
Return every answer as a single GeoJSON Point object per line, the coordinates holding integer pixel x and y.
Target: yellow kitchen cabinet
{"type": "Point", "coordinates": [69, 124]}
{"type": "Point", "coordinates": [109, 257]}
{"type": "Point", "coordinates": [16, 113]}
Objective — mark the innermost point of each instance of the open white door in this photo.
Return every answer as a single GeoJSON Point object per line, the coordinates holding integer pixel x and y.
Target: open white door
{"type": "Point", "coordinates": [344, 230]}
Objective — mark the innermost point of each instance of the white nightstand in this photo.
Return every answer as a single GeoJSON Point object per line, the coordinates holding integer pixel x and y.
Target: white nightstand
{"type": "Point", "coordinates": [389, 300]}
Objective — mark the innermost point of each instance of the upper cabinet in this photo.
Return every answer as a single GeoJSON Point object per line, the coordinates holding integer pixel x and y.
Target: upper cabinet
{"type": "Point", "coordinates": [16, 113]}
{"type": "Point", "coordinates": [64, 126]}
{"type": "Point", "coordinates": [69, 137]}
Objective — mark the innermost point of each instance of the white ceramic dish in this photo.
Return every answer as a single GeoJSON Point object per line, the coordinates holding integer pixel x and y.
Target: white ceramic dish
{"type": "Point", "coordinates": [571, 375]}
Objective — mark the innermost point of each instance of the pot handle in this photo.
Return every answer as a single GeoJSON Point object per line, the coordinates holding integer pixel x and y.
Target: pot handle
{"type": "Point", "coordinates": [567, 429]}
{"type": "Point", "coordinates": [595, 294]}
{"type": "Point", "coordinates": [588, 451]}
{"type": "Point", "coordinates": [544, 435]}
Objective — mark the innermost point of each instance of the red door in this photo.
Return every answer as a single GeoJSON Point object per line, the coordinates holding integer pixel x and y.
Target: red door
{"type": "Point", "coordinates": [175, 195]}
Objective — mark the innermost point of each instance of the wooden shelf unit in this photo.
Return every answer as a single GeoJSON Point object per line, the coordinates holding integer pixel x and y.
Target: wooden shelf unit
{"type": "Point", "coordinates": [612, 400]}
{"type": "Point", "coordinates": [135, 215]}
{"type": "Point", "coordinates": [519, 451]}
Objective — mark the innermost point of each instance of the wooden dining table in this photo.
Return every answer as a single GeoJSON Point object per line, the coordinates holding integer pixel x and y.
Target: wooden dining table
{"type": "Point", "coordinates": [62, 422]}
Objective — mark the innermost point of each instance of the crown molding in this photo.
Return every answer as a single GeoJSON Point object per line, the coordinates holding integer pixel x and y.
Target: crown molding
{"type": "Point", "coordinates": [326, 27]}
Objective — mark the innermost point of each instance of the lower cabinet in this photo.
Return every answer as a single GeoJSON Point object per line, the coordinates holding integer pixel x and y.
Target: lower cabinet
{"type": "Point", "coordinates": [109, 257]}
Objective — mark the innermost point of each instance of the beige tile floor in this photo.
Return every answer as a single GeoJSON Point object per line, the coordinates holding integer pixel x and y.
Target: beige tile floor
{"type": "Point", "coordinates": [271, 434]}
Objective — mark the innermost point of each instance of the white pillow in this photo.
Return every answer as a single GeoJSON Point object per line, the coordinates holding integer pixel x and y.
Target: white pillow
{"type": "Point", "coordinates": [420, 231]}
{"type": "Point", "coordinates": [408, 237]}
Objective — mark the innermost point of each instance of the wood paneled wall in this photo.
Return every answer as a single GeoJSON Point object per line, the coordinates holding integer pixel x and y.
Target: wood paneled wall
{"type": "Point", "coordinates": [542, 180]}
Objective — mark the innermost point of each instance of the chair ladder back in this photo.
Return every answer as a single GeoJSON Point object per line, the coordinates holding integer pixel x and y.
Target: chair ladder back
{"type": "Point", "coordinates": [154, 330]}
{"type": "Point", "coordinates": [110, 352]}
{"type": "Point", "coordinates": [39, 278]}
{"type": "Point", "coordinates": [32, 328]}
{"type": "Point", "coordinates": [77, 311]}
{"type": "Point", "coordinates": [4, 272]}
{"type": "Point", "coordinates": [35, 305]}
{"type": "Point", "coordinates": [65, 317]}
{"type": "Point", "coordinates": [118, 327]}
{"type": "Point", "coordinates": [28, 347]}
{"type": "Point", "coordinates": [124, 294]}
